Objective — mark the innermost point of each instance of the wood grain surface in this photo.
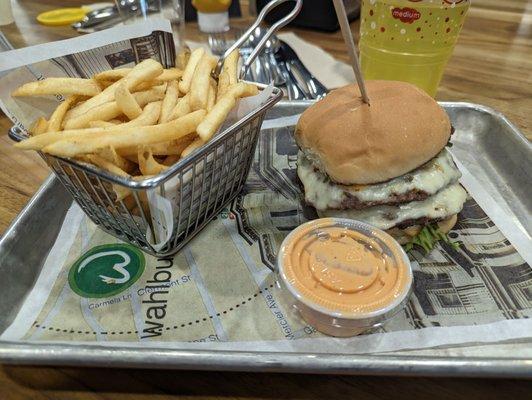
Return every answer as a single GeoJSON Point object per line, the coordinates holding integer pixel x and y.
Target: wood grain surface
{"type": "Point", "coordinates": [491, 65]}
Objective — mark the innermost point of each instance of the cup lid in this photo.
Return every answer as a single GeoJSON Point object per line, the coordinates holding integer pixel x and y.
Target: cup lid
{"type": "Point", "coordinates": [345, 268]}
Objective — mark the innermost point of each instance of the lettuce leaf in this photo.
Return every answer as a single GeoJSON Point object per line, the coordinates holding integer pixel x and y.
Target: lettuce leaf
{"type": "Point", "coordinates": [427, 239]}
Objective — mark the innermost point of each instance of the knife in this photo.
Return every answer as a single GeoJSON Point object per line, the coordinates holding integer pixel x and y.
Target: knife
{"type": "Point", "coordinates": [311, 87]}
{"type": "Point", "coordinates": [294, 91]}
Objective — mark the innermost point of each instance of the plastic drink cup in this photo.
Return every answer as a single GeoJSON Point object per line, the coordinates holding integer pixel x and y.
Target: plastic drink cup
{"type": "Point", "coordinates": [409, 40]}
{"type": "Point", "coordinates": [134, 11]}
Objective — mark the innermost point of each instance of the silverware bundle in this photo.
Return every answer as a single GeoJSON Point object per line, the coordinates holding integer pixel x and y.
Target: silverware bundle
{"type": "Point", "coordinates": [277, 63]}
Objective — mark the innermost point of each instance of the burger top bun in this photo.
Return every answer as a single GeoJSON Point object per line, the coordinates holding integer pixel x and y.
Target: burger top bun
{"type": "Point", "coordinates": [354, 143]}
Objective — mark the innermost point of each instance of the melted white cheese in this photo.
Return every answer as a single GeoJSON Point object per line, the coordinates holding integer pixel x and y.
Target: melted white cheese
{"type": "Point", "coordinates": [323, 194]}
{"type": "Point", "coordinates": [443, 204]}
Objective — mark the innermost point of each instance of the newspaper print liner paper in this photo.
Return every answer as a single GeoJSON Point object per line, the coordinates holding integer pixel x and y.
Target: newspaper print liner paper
{"type": "Point", "coordinates": [101, 53]}
{"type": "Point", "coordinates": [225, 297]}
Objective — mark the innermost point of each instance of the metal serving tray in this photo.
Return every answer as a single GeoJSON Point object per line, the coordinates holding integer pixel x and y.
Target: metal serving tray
{"type": "Point", "coordinates": [492, 148]}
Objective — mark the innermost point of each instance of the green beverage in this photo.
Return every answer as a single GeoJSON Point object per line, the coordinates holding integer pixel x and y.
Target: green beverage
{"type": "Point", "coordinates": [409, 40]}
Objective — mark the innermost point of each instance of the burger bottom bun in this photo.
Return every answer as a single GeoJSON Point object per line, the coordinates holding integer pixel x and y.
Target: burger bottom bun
{"type": "Point", "coordinates": [403, 236]}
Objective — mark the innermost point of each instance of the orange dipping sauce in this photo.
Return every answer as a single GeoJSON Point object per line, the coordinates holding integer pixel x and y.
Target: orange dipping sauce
{"type": "Point", "coordinates": [345, 270]}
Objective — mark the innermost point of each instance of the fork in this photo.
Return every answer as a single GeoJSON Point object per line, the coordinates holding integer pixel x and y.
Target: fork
{"type": "Point", "coordinates": [262, 42]}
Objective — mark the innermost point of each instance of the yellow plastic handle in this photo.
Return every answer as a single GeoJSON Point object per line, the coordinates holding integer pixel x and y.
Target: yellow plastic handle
{"type": "Point", "coordinates": [62, 16]}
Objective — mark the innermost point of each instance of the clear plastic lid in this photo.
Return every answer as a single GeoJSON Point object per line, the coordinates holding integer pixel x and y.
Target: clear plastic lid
{"type": "Point", "coordinates": [345, 269]}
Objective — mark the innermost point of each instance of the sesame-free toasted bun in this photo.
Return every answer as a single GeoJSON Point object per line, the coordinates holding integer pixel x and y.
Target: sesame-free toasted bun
{"type": "Point", "coordinates": [354, 143]}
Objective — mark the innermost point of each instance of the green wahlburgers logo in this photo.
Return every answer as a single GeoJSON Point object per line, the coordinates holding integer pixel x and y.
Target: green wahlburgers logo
{"type": "Point", "coordinates": [106, 270]}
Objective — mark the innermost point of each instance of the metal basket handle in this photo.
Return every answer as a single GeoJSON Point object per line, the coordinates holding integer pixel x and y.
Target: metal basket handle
{"type": "Point", "coordinates": [274, 28]}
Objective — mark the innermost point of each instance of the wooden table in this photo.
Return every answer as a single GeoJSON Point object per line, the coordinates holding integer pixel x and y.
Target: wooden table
{"type": "Point", "coordinates": [491, 65]}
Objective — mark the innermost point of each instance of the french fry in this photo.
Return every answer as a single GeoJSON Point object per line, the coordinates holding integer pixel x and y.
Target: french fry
{"type": "Point", "coordinates": [170, 74]}
{"type": "Point", "coordinates": [104, 84]}
{"type": "Point", "coordinates": [144, 71]}
{"type": "Point", "coordinates": [143, 198]}
{"type": "Point", "coordinates": [101, 124]}
{"type": "Point", "coordinates": [169, 101]}
{"type": "Point", "coordinates": [160, 149]}
{"type": "Point", "coordinates": [107, 165]}
{"type": "Point", "coordinates": [181, 108]}
{"type": "Point", "coordinates": [224, 81]}
{"type": "Point", "coordinates": [120, 191]}
{"type": "Point", "coordinates": [80, 86]}
{"type": "Point", "coordinates": [154, 94]}
{"type": "Point", "coordinates": [147, 164]}
{"type": "Point", "coordinates": [171, 160]}
{"type": "Point", "coordinates": [188, 73]}
{"type": "Point", "coordinates": [214, 119]}
{"type": "Point", "coordinates": [147, 85]}
{"type": "Point", "coordinates": [178, 146]}
{"type": "Point", "coordinates": [39, 126]}
{"type": "Point", "coordinates": [149, 115]}
{"type": "Point", "coordinates": [196, 144]}
{"type": "Point", "coordinates": [56, 119]}
{"type": "Point", "coordinates": [110, 154]}
{"type": "Point", "coordinates": [199, 87]}
{"type": "Point", "coordinates": [174, 147]}
{"type": "Point", "coordinates": [117, 137]}
{"type": "Point", "coordinates": [126, 102]}
{"type": "Point", "coordinates": [229, 74]}
{"type": "Point", "coordinates": [129, 203]}
{"type": "Point", "coordinates": [242, 89]}
{"type": "Point", "coordinates": [102, 112]}
{"type": "Point", "coordinates": [182, 58]}
{"type": "Point", "coordinates": [113, 75]}
{"type": "Point", "coordinates": [111, 110]}
{"type": "Point", "coordinates": [231, 65]}
{"type": "Point", "coordinates": [132, 157]}
{"type": "Point", "coordinates": [44, 139]}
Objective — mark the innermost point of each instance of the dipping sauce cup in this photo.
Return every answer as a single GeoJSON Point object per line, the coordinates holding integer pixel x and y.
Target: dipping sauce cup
{"type": "Point", "coordinates": [344, 276]}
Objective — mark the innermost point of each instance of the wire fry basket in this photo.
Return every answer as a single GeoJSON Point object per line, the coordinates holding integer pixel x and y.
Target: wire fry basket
{"type": "Point", "coordinates": [194, 190]}
{"type": "Point", "coordinates": [162, 213]}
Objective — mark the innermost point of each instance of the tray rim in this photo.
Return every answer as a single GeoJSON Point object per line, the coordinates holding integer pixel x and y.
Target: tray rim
{"type": "Point", "coordinates": [246, 361]}
{"type": "Point", "coordinates": [24, 353]}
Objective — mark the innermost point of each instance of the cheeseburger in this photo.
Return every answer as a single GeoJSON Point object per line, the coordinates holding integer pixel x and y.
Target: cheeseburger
{"type": "Point", "coordinates": [385, 164]}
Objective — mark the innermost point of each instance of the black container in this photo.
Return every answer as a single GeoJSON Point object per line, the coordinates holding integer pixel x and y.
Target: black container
{"type": "Point", "coordinates": [315, 14]}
